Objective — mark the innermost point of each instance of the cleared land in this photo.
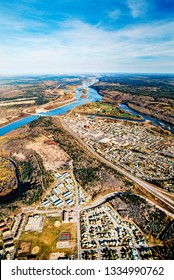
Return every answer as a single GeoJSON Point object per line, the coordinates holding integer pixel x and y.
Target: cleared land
{"type": "Point", "coordinates": [52, 155]}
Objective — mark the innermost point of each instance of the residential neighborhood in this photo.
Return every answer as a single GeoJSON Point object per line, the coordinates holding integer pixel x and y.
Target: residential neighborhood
{"type": "Point", "coordinates": [105, 235]}
{"type": "Point", "coordinates": [134, 146]}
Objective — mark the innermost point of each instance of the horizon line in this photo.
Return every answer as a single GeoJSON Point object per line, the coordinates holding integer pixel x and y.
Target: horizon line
{"type": "Point", "coordinates": [83, 73]}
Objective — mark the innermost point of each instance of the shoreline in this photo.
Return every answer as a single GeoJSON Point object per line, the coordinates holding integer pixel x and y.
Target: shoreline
{"type": "Point", "coordinates": [14, 120]}
{"type": "Point", "coordinates": [66, 103]}
{"type": "Point", "coordinates": [145, 115]}
{"type": "Point", "coordinates": [26, 114]}
{"type": "Point", "coordinates": [162, 123]}
{"type": "Point", "coordinates": [150, 115]}
{"type": "Point", "coordinates": [61, 102]}
{"type": "Point", "coordinates": [33, 114]}
{"type": "Point", "coordinates": [74, 100]}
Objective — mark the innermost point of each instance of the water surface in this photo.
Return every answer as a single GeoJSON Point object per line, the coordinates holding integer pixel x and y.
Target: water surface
{"type": "Point", "coordinates": [92, 96]}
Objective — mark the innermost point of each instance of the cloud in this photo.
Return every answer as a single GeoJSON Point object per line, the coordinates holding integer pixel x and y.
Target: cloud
{"type": "Point", "coordinates": [80, 47]}
{"type": "Point", "coordinates": [11, 24]}
{"type": "Point", "coordinates": [114, 14]}
{"type": "Point", "coordinates": [137, 7]}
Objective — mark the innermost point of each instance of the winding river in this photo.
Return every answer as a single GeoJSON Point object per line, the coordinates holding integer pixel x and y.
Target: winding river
{"type": "Point", "coordinates": [92, 96]}
{"type": "Point", "coordinates": [162, 124]}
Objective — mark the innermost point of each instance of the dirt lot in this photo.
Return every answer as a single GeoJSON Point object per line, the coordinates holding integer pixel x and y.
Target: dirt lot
{"type": "Point", "coordinates": [52, 155]}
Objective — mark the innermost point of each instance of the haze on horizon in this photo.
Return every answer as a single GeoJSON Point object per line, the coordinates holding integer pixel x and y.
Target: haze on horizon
{"type": "Point", "coordinates": [80, 36]}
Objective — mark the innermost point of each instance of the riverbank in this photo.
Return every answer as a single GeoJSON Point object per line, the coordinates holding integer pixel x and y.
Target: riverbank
{"type": "Point", "coordinates": [92, 96]}
{"type": "Point", "coordinates": [153, 107]}
{"type": "Point", "coordinates": [102, 109]}
{"type": "Point", "coordinates": [58, 105]}
{"type": "Point", "coordinates": [145, 112]}
{"type": "Point", "coordinates": [25, 115]}
{"type": "Point", "coordinates": [164, 125]}
{"type": "Point", "coordinates": [115, 118]}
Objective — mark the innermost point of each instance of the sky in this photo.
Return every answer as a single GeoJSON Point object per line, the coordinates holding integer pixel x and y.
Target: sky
{"type": "Point", "coordinates": [81, 36]}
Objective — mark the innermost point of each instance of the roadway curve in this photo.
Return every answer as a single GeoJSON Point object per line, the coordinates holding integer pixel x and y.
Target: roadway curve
{"type": "Point", "coordinates": [148, 187]}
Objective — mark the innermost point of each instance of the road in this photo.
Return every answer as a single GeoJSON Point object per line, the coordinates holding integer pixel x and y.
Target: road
{"type": "Point", "coordinates": [104, 199]}
{"type": "Point", "coordinates": [99, 201]}
{"type": "Point", "coordinates": [148, 187]}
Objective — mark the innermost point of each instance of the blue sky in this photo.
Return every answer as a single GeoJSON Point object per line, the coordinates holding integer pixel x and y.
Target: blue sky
{"type": "Point", "coordinates": [65, 36]}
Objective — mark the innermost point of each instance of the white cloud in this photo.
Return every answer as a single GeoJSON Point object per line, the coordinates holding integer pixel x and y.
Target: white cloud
{"type": "Point", "coordinates": [137, 7]}
{"type": "Point", "coordinates": [81, 47]}
{"type": "Point", "coordinates": [114, 14]}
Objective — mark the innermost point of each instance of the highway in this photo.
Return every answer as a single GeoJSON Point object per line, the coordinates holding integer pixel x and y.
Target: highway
{"type": "Point", "coordinates": [160, 194]}
{"type": "Point", "coordinates": [99, 201]}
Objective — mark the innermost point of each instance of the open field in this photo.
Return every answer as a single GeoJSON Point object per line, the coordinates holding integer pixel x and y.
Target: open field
{"type": "Point", "coordinates": [52, 155]}
{"type": "Point", "coordinates": [47, 239]}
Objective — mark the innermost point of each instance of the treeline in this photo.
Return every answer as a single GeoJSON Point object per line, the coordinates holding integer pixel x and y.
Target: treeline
{"type": "Point", "coordinates": [159, 86]}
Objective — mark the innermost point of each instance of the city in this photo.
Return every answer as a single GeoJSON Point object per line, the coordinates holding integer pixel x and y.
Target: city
{"type": "Point", "coordinates": [87, 134]}
{"type": "Point", "coordinates": [136, 147]}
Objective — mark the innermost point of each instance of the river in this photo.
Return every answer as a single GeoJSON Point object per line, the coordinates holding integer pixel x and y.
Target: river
{"type": "Point", "coordinates": [92, 96]}
{"type": "Point", "coordinates": [162, 124]}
